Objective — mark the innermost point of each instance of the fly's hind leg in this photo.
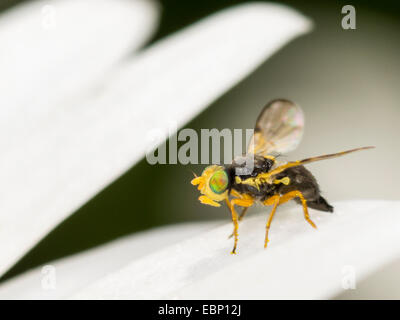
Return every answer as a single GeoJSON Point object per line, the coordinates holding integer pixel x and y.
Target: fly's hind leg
{"type": "Point", "coordinates": [243, 213]}
{"type": "Point", "coordinates": [272, 201]}
{"type": "Point", "coordinates": [297, 194]}
{"type": "Point", "coordinates": [278, 200]}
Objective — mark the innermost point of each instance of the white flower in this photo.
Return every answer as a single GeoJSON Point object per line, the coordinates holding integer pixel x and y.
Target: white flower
{"type": "Point", "coordinates": [74, 95]}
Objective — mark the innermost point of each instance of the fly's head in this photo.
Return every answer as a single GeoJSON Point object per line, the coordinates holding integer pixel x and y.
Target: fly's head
{"type": "Point", "coordinates": [213, 185]}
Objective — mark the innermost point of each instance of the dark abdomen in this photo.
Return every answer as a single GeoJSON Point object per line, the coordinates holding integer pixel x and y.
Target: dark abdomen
{"type": "Point", "coordinates": [301, 179]}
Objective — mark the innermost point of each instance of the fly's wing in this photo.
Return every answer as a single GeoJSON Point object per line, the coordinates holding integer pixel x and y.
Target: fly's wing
{"type": "Point", "coordinates": [279, 128]}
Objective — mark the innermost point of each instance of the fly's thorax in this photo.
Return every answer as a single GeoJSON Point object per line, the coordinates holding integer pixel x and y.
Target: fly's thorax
{"type": "Point", "coordinates": [256, 186]}
{"type": "Point", "coordinates": [250, 165]}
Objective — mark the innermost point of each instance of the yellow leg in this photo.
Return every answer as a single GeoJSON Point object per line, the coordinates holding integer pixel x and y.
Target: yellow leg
{"type": "Point", "coordinates": [247, 201]}
{"type": "Point", "coordinates": [244, 211]}
{"type": "Point", "coordinates": [236, 194]}
{"type": "Point", "coordinates": [274, 200]}
{"type": "Point", "coordinates": [235, 228]}
{"type": "Point", "coordinates": [277, 200]}
{"type": "Point", "coordinates": [293, 194]}
{"type": "Point", "coordinates": [241, 216]}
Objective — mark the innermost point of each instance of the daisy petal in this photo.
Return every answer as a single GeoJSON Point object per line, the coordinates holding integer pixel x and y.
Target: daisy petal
{"type": "Point", "coordinates": [91, 138]}
{"type": "Point", "coordinates": [75, 273]}
{"type": "Point", "coordinates": [299, 263]}
{"type": "Point", "coordinates": [51, 49]}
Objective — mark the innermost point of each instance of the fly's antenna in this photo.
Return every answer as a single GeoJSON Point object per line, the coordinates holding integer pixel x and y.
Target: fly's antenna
{"type": "Point", "coordinates": [194, 174]}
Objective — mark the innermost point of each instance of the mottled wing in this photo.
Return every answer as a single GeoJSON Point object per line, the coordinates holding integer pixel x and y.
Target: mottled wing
{"type": "Point", "coordinates": [279, 128]}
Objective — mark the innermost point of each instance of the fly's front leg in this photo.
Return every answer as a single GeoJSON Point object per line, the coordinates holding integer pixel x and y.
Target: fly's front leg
{"type": "Point", "coordinates": [244, 202]}
{"type": "Point", "coordinates": [249, 203]}
{"type": "Point", "coordinates": [243, 213]}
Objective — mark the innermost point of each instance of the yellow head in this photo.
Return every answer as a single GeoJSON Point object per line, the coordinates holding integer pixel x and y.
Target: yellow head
{"type": "Point", "coordinates": [213, 185]}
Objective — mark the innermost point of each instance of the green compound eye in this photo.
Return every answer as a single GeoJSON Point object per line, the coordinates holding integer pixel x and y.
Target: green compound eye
{"type": "Point", "coordinates": [219, 182]}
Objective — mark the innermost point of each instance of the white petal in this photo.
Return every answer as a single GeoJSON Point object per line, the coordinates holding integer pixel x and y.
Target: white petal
{"type": "Point", "coordinates": [50, 49]}
{"type": "Point", "coordinates": [187, 260]}
{"type": "Point", "coordinates": [90, 139]}
{"type": "Point", "coordinates": [300, 262]}
{"type": "Point", "coordinates": [76, 272]}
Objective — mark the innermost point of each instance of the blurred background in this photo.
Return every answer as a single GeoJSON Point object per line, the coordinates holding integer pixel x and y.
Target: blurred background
{"type": "Point", "coordinates": [347, 82]}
